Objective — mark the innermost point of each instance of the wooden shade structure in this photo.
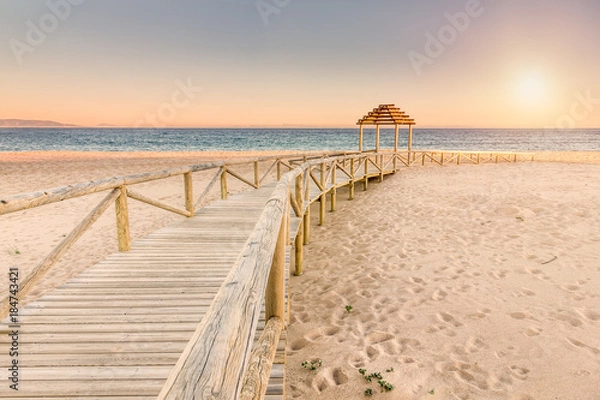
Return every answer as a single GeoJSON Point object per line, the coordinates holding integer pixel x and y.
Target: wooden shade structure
{"type": "Point", "coordinates": [386, 114]}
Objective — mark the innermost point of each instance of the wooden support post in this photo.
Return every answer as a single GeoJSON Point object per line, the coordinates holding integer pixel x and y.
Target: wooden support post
{"type": "Point", "coordinates": [396, 148]}
{"type": "Point", "coordinates": [422, 159]}
{"type": "Point", "coordinates": [478, 158]}
{"type": "Point", "coordinates": [299, 239]}
{"type": "Point", "coordinates": [351, 185]}
{"type": "Point", "coordinates": [410, 136]}
{"type": "Point", "coordinates": [322, 198]}
{"type": "Point", "coordinates": [366, 180]}
{"type": "Point", "coordinates": [442, 158]}
{"type": "Point", "coordinates": [377, 135]}
{"type": "Point", "coordinates": [307, 211]}
{"type": "Point", "coordinates": [256, 177]}
{"type": "Point", "coordinates": [256, 378]}
{"type": "Point", "coordinates": [224, 183]}
{"type": "Point", "coordinates": [123, 235]}
{"type": "Point", "coordinates": [189, 192]}
{"type": "Point", "coordinates": [275, 291]}
{"type": "Point", "coordinates": [334, 187]}
{"type": "Point", "coordinates": [458, 159]}
{"type": "Point", "coordinates": [278, 170]}
{"type": "Point", "coordinates": [360, 139]}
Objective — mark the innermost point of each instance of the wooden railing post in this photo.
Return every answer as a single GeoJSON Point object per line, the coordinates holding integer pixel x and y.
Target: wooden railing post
{"type": "Point", "coordinates": [307, 211]}
{"type": "Point", "coordinates": [275, 293]}
{"type": "Point", "coordinates": [256, 177]}
{"type": "Point", "coordinates": [122, 213]}
{"type": "Point", "coordinates": [224, 183]}
{"type": "Point", "coordinates": [334, 186]}
{"type": "Point", "coordinates": [323, 197]}
{"type": "Point", "coordinates": [381, 166]}
{"type": "Point", "coordinates": [351, 186]}
{"type": "Point", "coordinates": [367, 172]}
{"type": "Point", "coordinates": [299, 239]}
{"type": "Point", "coordinates": [189, 192]}
{"type": "Point", "coordinates": [278, 170]}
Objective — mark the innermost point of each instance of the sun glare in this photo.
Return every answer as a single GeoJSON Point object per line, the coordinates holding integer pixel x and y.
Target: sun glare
{"type": "Point", "coordinates": [532, 88]}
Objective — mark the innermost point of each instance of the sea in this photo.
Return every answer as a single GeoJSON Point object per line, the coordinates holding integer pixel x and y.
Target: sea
{"type": "Point", "coordinates": [206, 139]}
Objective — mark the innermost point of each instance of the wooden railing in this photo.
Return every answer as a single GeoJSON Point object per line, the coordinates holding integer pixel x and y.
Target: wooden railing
{"type": "Point", "coordinates": [218, 363]}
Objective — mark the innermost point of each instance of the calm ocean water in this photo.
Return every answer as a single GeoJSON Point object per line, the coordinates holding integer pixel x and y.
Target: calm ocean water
{"type": "Point", "coordinates": [130, 139]}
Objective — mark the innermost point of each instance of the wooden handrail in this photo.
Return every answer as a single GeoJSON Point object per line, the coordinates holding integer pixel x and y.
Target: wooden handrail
{"type": "Point", "coordinates": [203, 370]}
{"type": "Point", "coordinates": [229, 325]}
{"type": "Point", "coordinates": [40, 270]}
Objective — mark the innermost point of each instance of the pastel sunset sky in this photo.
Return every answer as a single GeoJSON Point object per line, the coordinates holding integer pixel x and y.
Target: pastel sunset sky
{"type": "Point", "coordinates": [306, 63]}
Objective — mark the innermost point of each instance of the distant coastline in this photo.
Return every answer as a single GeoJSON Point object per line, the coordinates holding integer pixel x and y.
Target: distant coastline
{"type": "Point", "coordinates": [32, 123]}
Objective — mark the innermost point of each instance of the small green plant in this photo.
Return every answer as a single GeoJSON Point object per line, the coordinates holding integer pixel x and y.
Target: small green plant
{"type": "Point", "coordinates": [313, 364]}
{"type": "Point", "coordinates": [432, 391]}
{"type": "Point", "coordinates": [14, 250]}
{"type": "Point", "coordinates": [349, 308]}
{"type": "Point", "coordinates": [385, 386]}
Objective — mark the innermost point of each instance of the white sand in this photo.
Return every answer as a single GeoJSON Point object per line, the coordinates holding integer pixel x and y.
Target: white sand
{"type": "Point", "coordinates": [471, 282]}
{"type": "Point", "coordinates": [451, 273]}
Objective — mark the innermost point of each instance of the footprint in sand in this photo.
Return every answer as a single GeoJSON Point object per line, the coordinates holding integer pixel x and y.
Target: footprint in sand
{"type": "Point", "coordinates": [417, 281]}
{"type": "Point", "coordinates": [499, 274]}
{"type": "Point", "coordinates": [568, 317]}
{"type": "Point", "coordinates": [474, 345]}
{"type": "Point", "coordinates": [523, 292]}
{"type": "Point", "coordinates": [538, 273]}
{"type": "Point", "coordinates": [590, 314]}
{"type": "Point", "coordinates": [584, 346]}
{"type": "Point", "coordinates": [298, 344]}
{"type": "Point", "coordinates": [466, 373]}
{"type": "Point", "coordinates": [378, 337]}
{"type": "Point", "coordinates": [449, 319]}
{"type": "Point", "coordinates": [532, 332]}
{"type": "Point", "coordinates": [480, 314]}
{"type": "Point", "coordinates": [328, 377]}
{"type": "Point", "coordinates": [439, 294]}
{"type": "Point", "coordinates": [519, 372]}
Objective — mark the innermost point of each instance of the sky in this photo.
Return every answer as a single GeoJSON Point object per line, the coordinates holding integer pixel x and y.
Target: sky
{"type": "Point", "coordinates": [301, 63]}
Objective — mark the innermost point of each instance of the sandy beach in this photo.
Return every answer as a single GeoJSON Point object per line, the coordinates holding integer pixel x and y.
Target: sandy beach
{"type": "Point", "coordinates": [465, 282]}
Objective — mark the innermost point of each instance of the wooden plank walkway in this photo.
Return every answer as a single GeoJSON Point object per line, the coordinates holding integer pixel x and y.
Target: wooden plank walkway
{"type": "Point", "coordinates": [116, 330]}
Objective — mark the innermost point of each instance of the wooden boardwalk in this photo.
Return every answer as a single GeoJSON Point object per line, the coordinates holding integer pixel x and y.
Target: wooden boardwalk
{"type": "Point", "coordinates": [116, 330]}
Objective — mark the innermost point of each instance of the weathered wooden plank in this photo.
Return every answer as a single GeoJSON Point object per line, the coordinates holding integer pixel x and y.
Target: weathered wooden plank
{"type": "Point", "coordinates": [57, 388]}
{"type": "Point", "coordinates": [88, 373]}
{"type": "Point", "coordinates": [256, 379]}
{"type": "Point", "coordinates": [157, 203]}
{"type": "Point", "coordinates": [231, 320]}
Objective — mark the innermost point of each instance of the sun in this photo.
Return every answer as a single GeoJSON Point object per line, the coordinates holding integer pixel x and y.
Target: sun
{"type": "Point", "coordinates": [532, 88]}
